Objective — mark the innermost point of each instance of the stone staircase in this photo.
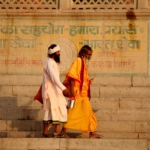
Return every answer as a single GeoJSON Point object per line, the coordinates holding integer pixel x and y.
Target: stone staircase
{"type": "Point", "coordinates": [122, 109]}
{"type": "Point", "coordinates": [71, 144]}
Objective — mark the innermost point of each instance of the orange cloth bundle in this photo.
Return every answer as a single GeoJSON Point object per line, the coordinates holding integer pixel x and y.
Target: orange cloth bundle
{"type": "Point", "coordinates": [38, 96]}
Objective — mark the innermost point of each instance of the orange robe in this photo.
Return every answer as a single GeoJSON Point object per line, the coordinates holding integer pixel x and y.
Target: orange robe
{"type": "Point", "coordinates": [81, 116]}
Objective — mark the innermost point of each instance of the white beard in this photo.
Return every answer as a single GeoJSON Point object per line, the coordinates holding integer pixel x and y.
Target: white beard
{"type": "Point", "coordinates": [86, 61]}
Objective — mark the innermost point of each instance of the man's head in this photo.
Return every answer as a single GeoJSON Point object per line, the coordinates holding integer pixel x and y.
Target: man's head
{"type": "Point", "coordinates": [85, 52]}
{"type": "Point", "coordinates": [54, 52]}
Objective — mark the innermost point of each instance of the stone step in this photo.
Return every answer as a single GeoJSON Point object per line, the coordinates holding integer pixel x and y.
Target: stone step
{"type": "Point", "coordinates": [22, 113]}
{"type": "Point", "coordinates": [72, 144]}
{"type": "Point", "coordinates": [21, 125]}
{"type": "Point", "coordinates": [19, 102]}
{"type": "Point", "coordinates": [110, 129]}
{"type": "Point", "coordinates": [24, 124]}
{"type": "Point", "coordinates": [33, 134]}
{"type": "Point", "coordinates": [103, 126]}
{"type": "Point", "coordinates": [73, 134]}
{"type": "Point", "coordinates": [97, 103]}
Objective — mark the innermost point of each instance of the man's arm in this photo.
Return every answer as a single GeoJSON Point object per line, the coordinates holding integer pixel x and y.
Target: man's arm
{"type": "Point", "coordinates": [72, 87]}
{"type": "Point", "coordinates": [55, 78]}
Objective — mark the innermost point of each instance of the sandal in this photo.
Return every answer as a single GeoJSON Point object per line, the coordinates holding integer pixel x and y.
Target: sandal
{"type": "Point", "coordinates": [95, 136]}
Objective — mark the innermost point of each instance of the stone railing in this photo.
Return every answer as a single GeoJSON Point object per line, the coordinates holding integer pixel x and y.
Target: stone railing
{"type": "Point", "coordinates": [103, 4]}
{"type": "Point", "coordinates": [50, 5]}
{"type": "Point", "coordinates": [28, 5]}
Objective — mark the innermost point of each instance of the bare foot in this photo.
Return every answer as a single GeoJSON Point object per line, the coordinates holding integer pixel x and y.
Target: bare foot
{"type": "Point", "coordinates": [95, 136]}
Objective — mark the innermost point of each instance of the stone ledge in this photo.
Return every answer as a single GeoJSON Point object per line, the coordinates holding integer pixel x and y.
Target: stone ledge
{"type": "Point", "coordinates": [82, 14]}
{"type": "Point", "coordinates": [73, 134]}
{"type": "Point", "coordinates": [72, 144]}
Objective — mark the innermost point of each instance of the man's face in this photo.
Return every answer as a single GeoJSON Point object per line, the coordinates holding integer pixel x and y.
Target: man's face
{"type": "Point", "coordinates": [57, 56]}
{"type": "Point", "coordinates": [88, 55]}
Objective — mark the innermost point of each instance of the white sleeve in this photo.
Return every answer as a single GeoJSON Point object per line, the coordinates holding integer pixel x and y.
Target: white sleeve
{"type": "Point", "coordinates": [55, 78]}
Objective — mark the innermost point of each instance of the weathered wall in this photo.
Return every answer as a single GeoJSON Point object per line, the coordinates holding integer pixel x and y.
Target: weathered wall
{"type": "Point", "coordinates": [120, 45]}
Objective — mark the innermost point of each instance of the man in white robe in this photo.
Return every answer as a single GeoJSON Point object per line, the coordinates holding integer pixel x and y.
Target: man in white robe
{"type": "Point", "coordinates": [53, 91]}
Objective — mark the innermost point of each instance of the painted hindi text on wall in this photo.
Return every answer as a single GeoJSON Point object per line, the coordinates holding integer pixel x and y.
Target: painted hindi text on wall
{"type": "Point", "coordinates": [120, 47]}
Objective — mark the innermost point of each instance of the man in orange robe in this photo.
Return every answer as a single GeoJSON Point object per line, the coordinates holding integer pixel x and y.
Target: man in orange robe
{"type": "Point", "coordinates": [81, 116]}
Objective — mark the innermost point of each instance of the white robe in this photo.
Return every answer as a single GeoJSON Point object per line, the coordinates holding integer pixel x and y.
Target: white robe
{"type": "Point", "coordinates": [52, 89]}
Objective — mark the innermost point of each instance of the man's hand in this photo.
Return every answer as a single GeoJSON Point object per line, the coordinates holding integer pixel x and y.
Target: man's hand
{"type": "Point", "coordinates": [66, 93]}
{"type": "Point", "coordinates": [91, 80]}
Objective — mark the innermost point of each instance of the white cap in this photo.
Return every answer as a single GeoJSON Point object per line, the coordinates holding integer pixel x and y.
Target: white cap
{"type": "Point", "coordinates": [55, 49]}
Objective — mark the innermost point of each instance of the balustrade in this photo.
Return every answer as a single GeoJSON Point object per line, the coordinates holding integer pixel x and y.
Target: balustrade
{"type": "Point", "coordinates": [50, 5]}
